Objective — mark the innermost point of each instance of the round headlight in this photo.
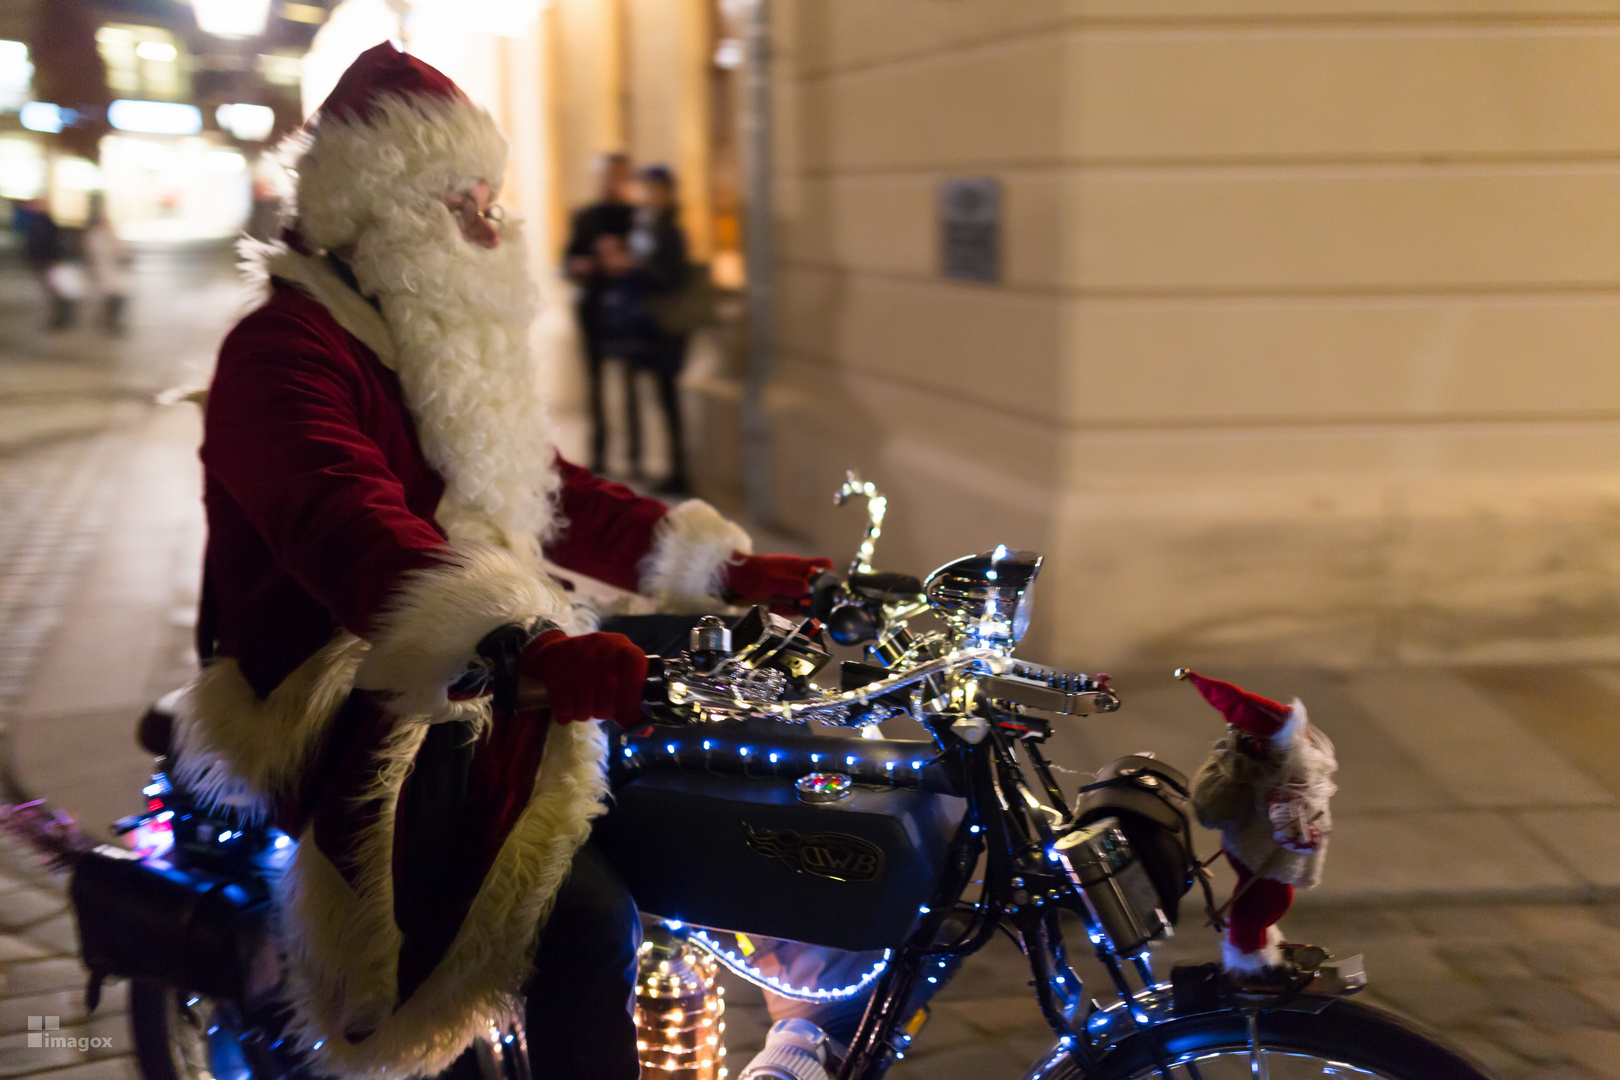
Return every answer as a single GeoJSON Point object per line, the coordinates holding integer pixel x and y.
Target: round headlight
{"type": "Point", "coordinates": [989, 595]}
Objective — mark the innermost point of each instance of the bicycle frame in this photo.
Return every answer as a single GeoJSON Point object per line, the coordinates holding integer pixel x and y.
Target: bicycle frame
{"type": "Point", "coordinates": [1023, 889]}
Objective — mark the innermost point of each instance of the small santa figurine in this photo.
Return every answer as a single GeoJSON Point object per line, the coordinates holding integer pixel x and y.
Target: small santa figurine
{"type": "Point", "coordinates": [1266, 787]}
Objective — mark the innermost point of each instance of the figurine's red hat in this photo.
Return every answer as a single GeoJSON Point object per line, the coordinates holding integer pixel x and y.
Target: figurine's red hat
{"type": "Point", "coordinates": [1248, 712]}
{"type": "Point", "coordinates": [383, 69]}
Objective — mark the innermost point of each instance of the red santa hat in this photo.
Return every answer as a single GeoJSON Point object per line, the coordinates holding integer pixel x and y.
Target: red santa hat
{"type": "Point", "coordinates": [395, 131]}
{"type": "Point", "coordinates": [1250, 713]}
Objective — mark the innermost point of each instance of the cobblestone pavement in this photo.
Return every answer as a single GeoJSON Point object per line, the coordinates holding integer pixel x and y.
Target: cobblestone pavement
{"type": "Point", "coordinates": [1476, 859]}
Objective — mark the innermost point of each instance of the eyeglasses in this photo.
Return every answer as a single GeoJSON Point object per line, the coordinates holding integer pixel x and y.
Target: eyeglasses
{"type": "Point", "coordinates": [467, 210]}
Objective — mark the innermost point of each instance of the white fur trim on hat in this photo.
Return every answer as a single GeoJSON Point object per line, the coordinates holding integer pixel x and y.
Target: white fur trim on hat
{"type": "Point", "coordinates": [422, 642]}
{"type": "Point", "coordinates": [409, 147]}
{"type": "Point", "coordinates": [692, 546]}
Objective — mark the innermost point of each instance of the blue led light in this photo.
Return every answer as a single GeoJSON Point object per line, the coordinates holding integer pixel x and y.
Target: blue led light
{"type": "Point", "coordinates": [743, 750]}
{"type": "Point", "coordinates": [774, 756]}
{"type": "Point", "coordinates": [974, 829]}
{"type": "Point", "coordinates": [1052, 853]}
{"type": "Point", "coordinates": [629, 751]}
{"type": "Point", "coordinates": [318, 1044]}
{"type": "Point", "coordinates": [226, 835]}
{"type": "Point", "coordinates": [917, 765]}
{"type": "Point", "coordinates": [705, 744]}
{"type": "Point", "coordinates": [1067, 1042]}
{"type": "Point", "coordinates": [669, 747]}
{"type": "Point", "coordinates": [932, 979]}
{"type": "Point", "coordinates": [673, 924]}
{"type": "Point", "coordinates": [889, 765]}
{"type": "Point", "coordinates": [815, 758]}
{"type": "Point", "coordinates": [740, 967]}
{"type": "Point", "coordinates": [923, 910]}
{"type": "Point", "coordinates": [850, 760]}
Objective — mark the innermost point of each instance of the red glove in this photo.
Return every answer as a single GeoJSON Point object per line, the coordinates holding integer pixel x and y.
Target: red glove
{"type": "Point", "coordinates": [761, 579]}
{"type": "Point", "coordinates": [589, 676]}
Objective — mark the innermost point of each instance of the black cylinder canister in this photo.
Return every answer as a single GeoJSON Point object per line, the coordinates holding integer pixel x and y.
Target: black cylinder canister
{"type": "Point", "coordinates": [1114, 884]}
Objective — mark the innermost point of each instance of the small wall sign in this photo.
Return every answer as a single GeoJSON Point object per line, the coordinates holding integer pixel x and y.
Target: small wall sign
{"type": "Point", "coordinates": [970, 229]}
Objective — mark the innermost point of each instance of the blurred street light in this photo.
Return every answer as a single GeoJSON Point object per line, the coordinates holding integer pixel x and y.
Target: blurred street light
{"type": "Point", "coordinates": [250, 123]}
{"type": "Point", "coordinates": [160, 51]}
{"type": "Point", "coordinates": [154, 117]}
{"type": "Point", "coordinates": [45, 117]}
{"type": "Point", "coordinates": [232, 18]}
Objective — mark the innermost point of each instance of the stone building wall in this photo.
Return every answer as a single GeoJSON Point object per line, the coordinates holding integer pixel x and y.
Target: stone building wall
{"type": "Point", "coordinates": [1305, 349]}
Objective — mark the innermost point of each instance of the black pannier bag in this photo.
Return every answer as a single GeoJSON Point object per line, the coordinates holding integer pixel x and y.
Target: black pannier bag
{"type": "Point", "coordinates": [146, 919]}
{"type": "Point", "coordinates": [1150, 800]}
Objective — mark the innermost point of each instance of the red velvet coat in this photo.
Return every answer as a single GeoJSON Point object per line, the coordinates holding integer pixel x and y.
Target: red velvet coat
{"type": "Point", "coordinates": [319, 498]}
{"type": "Point", "coordinates": [326, 570]}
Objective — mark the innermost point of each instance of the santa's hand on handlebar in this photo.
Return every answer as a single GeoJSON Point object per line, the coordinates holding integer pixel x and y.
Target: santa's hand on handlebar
{"type": "Point", "coordinates": [782, 581]}
{"type": "Point", "coordinates": [584, 677]}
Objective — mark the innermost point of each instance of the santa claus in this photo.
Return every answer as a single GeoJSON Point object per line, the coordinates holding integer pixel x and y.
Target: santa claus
{"type": "Point", "coordinates": [382, 493]}
{"type": "Point", "coordinates": [1266, 787]}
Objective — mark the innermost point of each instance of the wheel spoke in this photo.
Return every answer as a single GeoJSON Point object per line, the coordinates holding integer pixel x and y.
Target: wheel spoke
{"type": "Point", "coordinates": [1257, 1058]}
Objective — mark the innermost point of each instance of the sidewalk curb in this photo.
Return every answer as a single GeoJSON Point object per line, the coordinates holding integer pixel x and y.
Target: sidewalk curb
{"type": "Point", "coordinates": [1538, 894]}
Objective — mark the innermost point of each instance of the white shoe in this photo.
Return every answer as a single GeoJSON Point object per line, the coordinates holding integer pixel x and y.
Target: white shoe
{"type": "Point", "coordinates": [795, 1049]}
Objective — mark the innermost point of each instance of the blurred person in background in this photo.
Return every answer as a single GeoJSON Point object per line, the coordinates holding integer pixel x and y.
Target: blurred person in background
{"type": "Point", "coordinates": [42, 249]}
{"type": "Point", "coordinates": [383, 494]}
{"type": "Point", "coordinates": [107, 260]}
{"type": "Point", "coordinates": [609, 217]}
{"type": "Point", "coordinates": [646, 314]}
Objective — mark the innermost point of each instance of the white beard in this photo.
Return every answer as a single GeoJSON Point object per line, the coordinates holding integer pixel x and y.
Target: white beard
{"type": "Point", "coordinates": [459, 318]}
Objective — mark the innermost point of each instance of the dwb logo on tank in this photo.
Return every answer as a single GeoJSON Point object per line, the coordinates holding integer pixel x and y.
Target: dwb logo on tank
{"type": "Point", "coordinates": [837, 856]}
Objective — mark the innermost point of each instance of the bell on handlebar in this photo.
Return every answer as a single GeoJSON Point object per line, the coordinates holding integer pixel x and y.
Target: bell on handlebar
{"type": "Point", "coordinates": [711, 635]}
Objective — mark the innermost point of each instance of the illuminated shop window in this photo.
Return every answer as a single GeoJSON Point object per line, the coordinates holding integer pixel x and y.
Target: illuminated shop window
{"type": "Point", "coordinates": [142, 62]}
{"type": "Point", "coordinates": [22, 168]}
{"type": "Point", "coordinates": [281, 69]}
{"type": "Point", "coordinates": [16, 75]}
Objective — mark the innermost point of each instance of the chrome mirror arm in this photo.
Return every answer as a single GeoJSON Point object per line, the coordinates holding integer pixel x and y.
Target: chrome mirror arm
{"type": "Point", "coordinates": [876, 506]}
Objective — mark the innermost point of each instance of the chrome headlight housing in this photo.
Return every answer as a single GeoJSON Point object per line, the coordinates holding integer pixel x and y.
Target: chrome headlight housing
{"type": "Point", "coordinates": [989, 596]}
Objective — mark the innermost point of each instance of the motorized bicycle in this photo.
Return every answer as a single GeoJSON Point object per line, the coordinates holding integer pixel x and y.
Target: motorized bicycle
{"type": "Point", "coordinates": [760, 804]}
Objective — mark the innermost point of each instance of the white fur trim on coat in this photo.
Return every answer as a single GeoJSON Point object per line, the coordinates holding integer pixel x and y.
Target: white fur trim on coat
{"type": "Point", "coordinates": [314, 277]}
{"type": "Point", "coordinates": [422, 642]}
{"type": "Point", "coordinates": [342, 963]}
{"type": "Point", "coordinates": [692, 546]}
{"type": "Point", "coordinates": [338, 942]}
{"type": "Point", "coordinates": [233, 749]}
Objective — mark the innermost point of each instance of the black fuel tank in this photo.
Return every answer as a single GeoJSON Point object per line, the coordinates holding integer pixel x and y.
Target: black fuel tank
{"type": "Point", "coordinates": [744, 854]}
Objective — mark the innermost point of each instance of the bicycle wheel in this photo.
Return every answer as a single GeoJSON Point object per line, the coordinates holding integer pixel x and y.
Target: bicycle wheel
{"type": "Point", "coordinates": [182, 1036]}
{"type": "Point", "coordinates": [1346, 1040]}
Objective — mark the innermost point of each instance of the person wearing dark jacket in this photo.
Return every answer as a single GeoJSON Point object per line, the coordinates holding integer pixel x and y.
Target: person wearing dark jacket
{"type": "Point", "coordinates": [606, 220]}
{"type": "Point", "coordinates": [652, 265]}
